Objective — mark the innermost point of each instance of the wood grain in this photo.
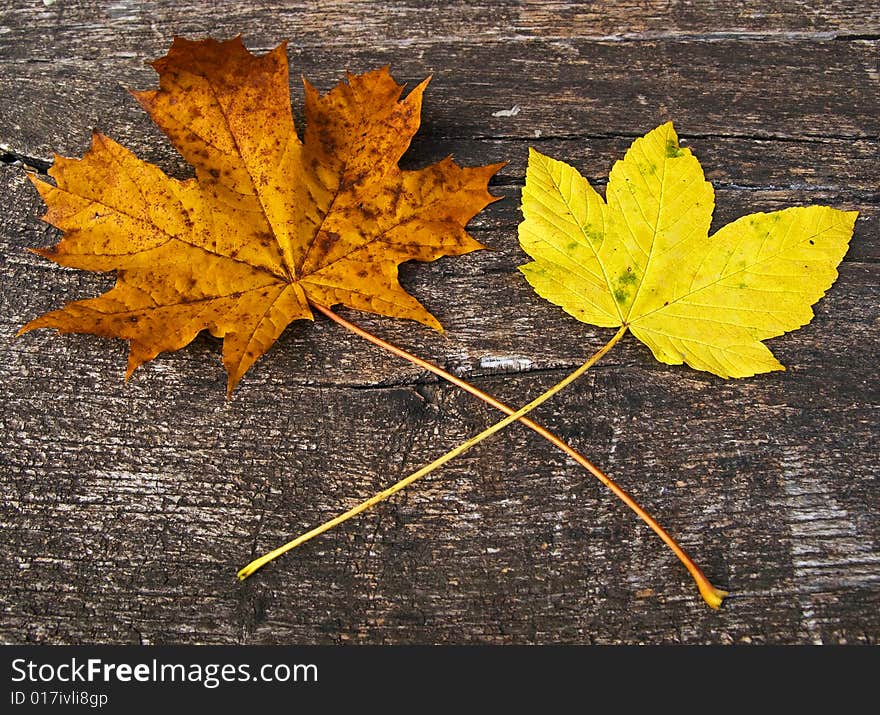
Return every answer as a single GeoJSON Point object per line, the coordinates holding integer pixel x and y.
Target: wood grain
{"type": "Point", "coordinates": [137, 28]}
{"type": "Point", "coordinates": [126, 508]}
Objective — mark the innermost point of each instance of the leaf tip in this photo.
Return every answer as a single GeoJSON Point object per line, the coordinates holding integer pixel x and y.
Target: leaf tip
{"type": "Point", "coordinates": [430, 321]}
{"type": "Point", "coordinates": [415, 96]}
{"type": "Point", "coordinates": [45, 252]}
{"type": "Point", "coordinates": [535, 153]}
{"type": "Point", "coordinates": [41, 321]}
{"type": "Point", "coordinates": [99, 140]}
{"type": "Point", "coordinates": [311, 92]}
{"type": "Point", "coordinates": [850, 217]}
{"type": "Point", "coordinates": [135, 359]}
{"type": "Point", "coordinates": [667, 129]}
{"type": "Point", "coordinates": [492, 169]}
{"type": "Point", "coordinates": [42, 188]}
{"type": "Point", "coordinates": [26, 328]}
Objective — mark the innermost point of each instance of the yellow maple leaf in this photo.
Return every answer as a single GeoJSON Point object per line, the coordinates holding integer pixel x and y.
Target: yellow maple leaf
{"type": "Point", "coordinates": [644, 258]}
{"type": "Point", "coordinates": [270, 224]}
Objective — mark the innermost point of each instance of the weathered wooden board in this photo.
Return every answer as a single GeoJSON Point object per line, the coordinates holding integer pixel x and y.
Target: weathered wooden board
{"type": "Point", "coordinates": [134, 27]}
{"type": "Point", "coordinates": [126, 509]}
{"type": "Point", "coordinates": [776, 88]}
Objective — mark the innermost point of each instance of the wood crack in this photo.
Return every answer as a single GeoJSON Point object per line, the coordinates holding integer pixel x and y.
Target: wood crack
{"type": "Point", "coordinates": [14, 158]}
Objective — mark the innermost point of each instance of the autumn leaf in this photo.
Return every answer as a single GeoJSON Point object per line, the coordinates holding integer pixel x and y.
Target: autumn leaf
{"type": "Point", "coordinates": [270, 225]}
{"type": "Point", "coordinates": [644, 258]}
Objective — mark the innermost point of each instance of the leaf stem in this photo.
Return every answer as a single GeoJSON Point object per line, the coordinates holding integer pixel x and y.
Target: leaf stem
{"type": "Point", "coordinates": [711, 595]}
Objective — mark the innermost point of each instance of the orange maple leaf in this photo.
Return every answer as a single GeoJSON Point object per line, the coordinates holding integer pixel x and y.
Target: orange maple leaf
{"type": "Point", "coordinates": [270, 224]}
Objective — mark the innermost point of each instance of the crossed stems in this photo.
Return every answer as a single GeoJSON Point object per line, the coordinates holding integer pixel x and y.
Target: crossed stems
{"type": "Point", "coordinates": [713, 596]}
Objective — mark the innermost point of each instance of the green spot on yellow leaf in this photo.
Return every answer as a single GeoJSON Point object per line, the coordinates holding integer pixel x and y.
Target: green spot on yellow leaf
{"type": "Point", "coordinates": [627, 278]}
{"type": "Point", "coordinates": [708, 301]}
{"type": "Point", "coordinates": [672, 149]}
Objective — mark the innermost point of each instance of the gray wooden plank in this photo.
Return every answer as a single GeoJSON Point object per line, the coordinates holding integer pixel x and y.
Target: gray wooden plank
{"type": "Point", "coordinates": [131, 27]}
{"type": "Point", "coordinates": [734, 88]}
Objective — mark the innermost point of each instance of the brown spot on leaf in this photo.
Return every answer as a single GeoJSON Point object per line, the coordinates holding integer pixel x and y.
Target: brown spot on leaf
{"type": "Point", "coordinates": [218, 217]}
